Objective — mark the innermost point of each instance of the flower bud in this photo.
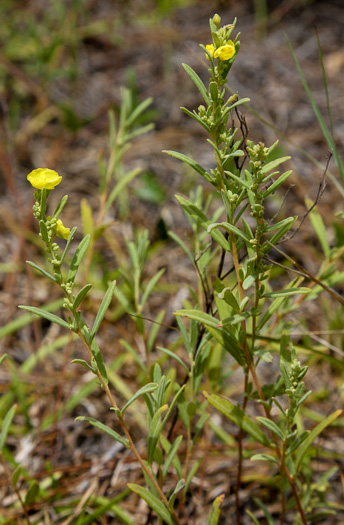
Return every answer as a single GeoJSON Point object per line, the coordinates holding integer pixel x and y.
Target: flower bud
{"type": "Point", "coordinates": [217, 19]}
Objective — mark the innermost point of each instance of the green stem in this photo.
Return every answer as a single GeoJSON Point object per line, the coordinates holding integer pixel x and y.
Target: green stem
{"type": "Point", "coordinates": [128, 436]}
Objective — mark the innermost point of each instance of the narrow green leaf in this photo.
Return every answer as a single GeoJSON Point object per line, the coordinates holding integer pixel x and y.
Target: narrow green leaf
{"type": "Point", "coordinates": [264, 457]}
{"type": "Point", "coordinates": [69, 240]}
{"type": "Point", "coordinates": [83, 363]}
{"type": "Point", "coordinates": [32, 493]}
{"type": "Point", "coordinates": [99, 360]}
{"type": "Point", "coordinates": [103, 308]}
{"type": "Point", "coordinates": [287, 292]}
{"type": "Point", "coordinates": [153, 502]}
{"type": "Point", "coordinates": [107, 430]}
{"type": "Point", "coordinates": [191, 474]}
{"type": "Point", "coordinates": [313, 435]}
{"type": "Point", "coordinates": [81, 295]}
{"type": "Point", "coordinates": [44, 231]}
{"type": "Point", "coordinates": [253, 518]}
{"type": "Point", "coordinates": [297, 442]}
{"type": "Point", "coordinates": [155, 429]}
{"type": "Point", "coordinates": [180, 485]}
{"type": "Point", "coordinates": [230, 229]}
{"type": "Point", "coordinates": [150, 387]}
{"type": "Point", "coordinates": [331, 143]}
{"type": "Point", "coordinates": [198, 82]}
{"type": "Point", "coordinates": [271, 425]}
{"type": "Point", "coordinates": [46, 315]}
{"type": "Point", "coordinates": [269, 518]}
{"type": "Point", "coordinates": [197, 118]}
{"type": "Point", "coordinates": [6, 426]}
{"type": "Point", "coordinates": [182, 244]}
{"type": "Point", "coordinates": [228, 296]}
{"type": "Point", "coordinates": [140, 108]}
{"type": "Point", "coordinates": [121, 184]}
{"type": "Point", "coordinates": [60, 207]}
{"type": "Point", "coordinates": [199, 316]}
{"type": "Point", "coordinates": [171, 455]}
{"type": "Point", "coordinates": [277, 183]}
{"type": "Point", "coordinates": [2, 358]}
{"type": "Point", "coordinates": [277, 225]}
{"type": "Point", "coordinates": [41, 270]}
{"type": "Point", "coordinates": [237, 416]}
{"type": "Point", "coordinates": [150, 286]}
{"type": "Point", "coordinates": [273, 164]}
{"type": "Point", "coordinates": [174, 356]}
{"type": "Point", "coordinates": [139, 131]}
{"type": "Point", "coordinates": [234, 319]}
{"type": "Point", "coordinates": [190, 162]}
{"type": "Point", "coordinates": [77, 257]}
{"type": "Point", "coordinates": [16, 474]}
{"type": "Point", "coordinates": [282, 231]}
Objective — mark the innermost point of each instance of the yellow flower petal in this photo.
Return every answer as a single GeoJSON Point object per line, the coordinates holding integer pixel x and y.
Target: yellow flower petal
{"type": "Point", "coordinates": [44, 178]}
{"type": "Point", "coordinates": [61, 230]}
{"type": "Point", "coordinates": [225, 52]}
{"type": "Point", "coordinates": [210, 48]}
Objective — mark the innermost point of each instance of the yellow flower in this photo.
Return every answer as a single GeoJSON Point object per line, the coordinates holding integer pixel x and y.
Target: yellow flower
{"type": "Point", "coordinates": [225, 52]}
{"type": "Point", "coordinates": [210, 48]}
{"type": "Point", "coordinates": [61, 230]}
{"type": "Point", "coordinates": [44, 178]}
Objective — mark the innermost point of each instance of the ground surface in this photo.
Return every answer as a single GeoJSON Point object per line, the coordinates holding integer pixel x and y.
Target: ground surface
{"type": "Point", "coordinates": [60, 121]}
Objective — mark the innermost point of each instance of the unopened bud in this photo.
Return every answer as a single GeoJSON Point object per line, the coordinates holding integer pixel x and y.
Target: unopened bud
{"type": "Point", "coordinates": [217, 20]}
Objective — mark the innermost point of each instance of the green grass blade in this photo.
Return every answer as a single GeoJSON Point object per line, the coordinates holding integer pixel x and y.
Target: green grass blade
{"type": "Point", "coordinates": [322, 124]}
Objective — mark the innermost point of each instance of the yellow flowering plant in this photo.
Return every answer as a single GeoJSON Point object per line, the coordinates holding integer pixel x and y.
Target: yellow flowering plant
{"type": "Point", "coordinates": [228, 322]}
{"type": "Point", "coordinates": [44, 178]}
{"type": "Point", "coordinates": [235, 304]}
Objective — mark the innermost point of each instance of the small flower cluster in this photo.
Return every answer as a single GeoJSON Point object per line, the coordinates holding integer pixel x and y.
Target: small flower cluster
{"type": "Point", "coordinates": [222, 49]}
{"type": "Point", "coordinates": [46, 179]}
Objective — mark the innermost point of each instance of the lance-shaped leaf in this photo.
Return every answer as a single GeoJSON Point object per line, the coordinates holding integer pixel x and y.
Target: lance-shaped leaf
{"type": "Point", "coordinates": [190, 162]}
{"type": "Point", "coordinates": [154, 503]}
{"type": "Point", "coordinates": [150, 286]}
{"type": "Point", "coordinates": [32, 493]}
{"type": "Point", "coordinates": [6, 426]}
{"type": "Point", "coordinates": [313, 435]}
{"type": "Point", "coordinates": [99, 360]}
{"type": "Point", "coordinates": [198, 82]}
{"type": "Point", "coordinates": [83, 363]}
{"type": "Point", "coordinates": [288, 223]}
{"type": "Point", "coordinates": [197, 118]}
{"type": "Point", "coordinates": [107, 430]}
{"type": "Point", "coordinates": [287, 292]}
{"type": "Point", "coordinates": [155, 429]}
{"type": "Point", "coordinates": [150, 387]}
{"type": "Point", "coordinates": [273, 164]}
{"type": "Point", "coordinates": [41, 270]}
{"type": "Point", "coordinates": [81, 295]}
{"type": "Point", "coordinates": [271, 425]}
{"type": "Point", "coordinates": [46, 315]}
{"type": "Point", "coordinates": [230, 229]}
{"type": "Point", "coordinates": [237, 416]}
{"type": "Point", "coordinates": [103, 308]}
{"type": "Point", "coordinates": [180, 485]}
{"type": "Point", "coordinates": [69, 240]}
{"type": "Point", "coordinates": [2, 358]}
{"type": "Point", "coordinates": [77, 257]}
{"type": "Point", "coordinates": [192, 210]}
{"type": "Point", "coordinates": [171, 454]}
{"type": "Point", "coordinates": [234, 319]}
{"type": "Point", "coordinates": [277, 183]}
{"type": "Point", "coordinates": [44, 231]}
{"type": "Point", "coordinates": [265, 457]}
{"type": "Point", "coordinates": [60, 207]}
